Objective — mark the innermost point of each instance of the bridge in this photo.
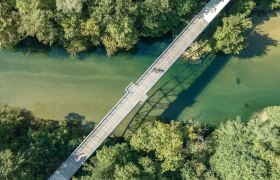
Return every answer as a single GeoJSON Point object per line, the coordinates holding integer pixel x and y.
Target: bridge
{"type": "Point", "coordinates": [136, 92]}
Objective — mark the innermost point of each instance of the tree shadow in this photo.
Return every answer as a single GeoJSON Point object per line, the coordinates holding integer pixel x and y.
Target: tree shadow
{"type": "Point", "coordinates": [72, 116]}
{"type": "Point", "coordinates": [259, 41]}
{"type": "Point", "coordinates": [261, 15]}
{"type": "Point", "coordinates": [259, 44]}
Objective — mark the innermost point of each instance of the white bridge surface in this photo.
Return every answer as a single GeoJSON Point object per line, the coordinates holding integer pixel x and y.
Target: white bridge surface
{"type": "Point", "coordinates": [136, 93]}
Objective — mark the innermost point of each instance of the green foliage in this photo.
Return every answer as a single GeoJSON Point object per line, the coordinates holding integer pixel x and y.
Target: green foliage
{"type": "Point", "coordinates": [128, 171]}
{"type": "Point", "coordinates": [36, 21]}
{"type": "Point", "coordinates": [32, 148]}
{"type": "Point", "coordinates": [244, 7]}
{"type": "Point", "coordinates": [160, 16]}
{"type": "Point", "coordinates": [235, 150]}
{"type": "Point", "coordinates": [275, 4]}
{"type": "Point", "coordinates": [120, 35]}
{"type": "Point", "coordinates": [14, 123]}
{"type": "Point", "coordinates": [198, 49]}
{"type": "Point", "coordinates": [91, 30]}
{"type": "Point", "coordinates": [251, 150]}
{"type": "Point", "coordinates": [72, 39]}
{"type": "Point", "coordinates": [233, 158]}
{"type": "Point", "coordinates": [8, 25]}
{"type": "Point", "coordinates": [231, 37]}
{"type": "Point", "coordinates": [166, 140]}
{"type": "Point", "coordinates": [228, 33]}
{"type": "Point", "coordinates": [70, 6]}
{"type": "Point", "coordinates": [265, 132]}
{"type": "Point", "coordinates": [9, 165]}
{"type": "Point", "coordinates": [149, 166]}
{"type": "Point", "coordinates": [117, 22]}
{"type": "Point", "coordinates": [196, 170]}
{"type": "Point", "coordinates": [77, 25]}
{"type": "Point", "coordinates": [109, 160]}
{"type": "Point", "coordinates": [268, 4]}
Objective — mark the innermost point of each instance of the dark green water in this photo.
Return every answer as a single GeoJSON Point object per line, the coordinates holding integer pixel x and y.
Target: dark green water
{"type": "Point", "coordinates": [52, 85]}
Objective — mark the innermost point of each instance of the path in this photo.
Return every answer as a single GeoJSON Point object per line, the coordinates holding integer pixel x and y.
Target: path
{"type": "Point", "coordinates": [136, 93]}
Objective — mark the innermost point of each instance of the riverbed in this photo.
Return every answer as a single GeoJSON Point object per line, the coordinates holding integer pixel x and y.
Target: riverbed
{"type": "Point", "coordinates": [51, 84]}
{"type": "Point", "coordinates": [247, 83]}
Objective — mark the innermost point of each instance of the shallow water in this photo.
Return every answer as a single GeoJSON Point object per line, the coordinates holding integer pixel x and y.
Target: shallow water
{"type": "Point", "coordinates": [246, 83]}
{"type": "Point", "coordinates": [52, 84]}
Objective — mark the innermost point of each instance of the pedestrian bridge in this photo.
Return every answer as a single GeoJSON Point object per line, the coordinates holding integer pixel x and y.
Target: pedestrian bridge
{"type": "Point", "coordinates": [137, 92]}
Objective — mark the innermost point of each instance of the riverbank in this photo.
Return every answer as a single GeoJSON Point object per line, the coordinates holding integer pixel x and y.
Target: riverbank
{"type": "Point", "coordinates": [247, 83]}
{"type": "Point", "coordinates": [52, 85]}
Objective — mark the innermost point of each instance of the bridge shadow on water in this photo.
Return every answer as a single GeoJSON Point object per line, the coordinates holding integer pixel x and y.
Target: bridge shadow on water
{"type": "Point", "coordinates": [187, 97]}
{"type": "Point", "coordinates": [167, 100]}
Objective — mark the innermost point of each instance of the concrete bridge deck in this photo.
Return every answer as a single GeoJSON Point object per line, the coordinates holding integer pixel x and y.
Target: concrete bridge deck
{"type": "Point", "coordinates": [136, 93]}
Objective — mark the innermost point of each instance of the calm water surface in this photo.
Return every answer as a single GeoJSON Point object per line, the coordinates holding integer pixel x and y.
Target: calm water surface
{"type": "Point", "coordinates": [245, 84]}
{"type": "Point", "coordinates": [52, 85]}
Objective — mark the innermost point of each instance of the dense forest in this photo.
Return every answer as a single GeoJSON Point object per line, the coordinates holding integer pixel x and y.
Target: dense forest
{"type": "Point", "coordinates": [177, 150]}
{"type": "Point", "coordinates": [32, 148]}
{"type": "Point", "coordinates": [78, 25]}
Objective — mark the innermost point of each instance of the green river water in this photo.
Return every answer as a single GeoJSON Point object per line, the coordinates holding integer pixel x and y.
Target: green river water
{"type": "Point", "coordinates": [52, 84]}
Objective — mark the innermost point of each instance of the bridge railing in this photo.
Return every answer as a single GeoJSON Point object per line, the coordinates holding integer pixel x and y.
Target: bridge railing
{"type": "Point", "coordinates": [167, 55]}
{"type": "Point", "coordinates": [138, 82]}
{"type": "Point", "coordinates": [101, 123]}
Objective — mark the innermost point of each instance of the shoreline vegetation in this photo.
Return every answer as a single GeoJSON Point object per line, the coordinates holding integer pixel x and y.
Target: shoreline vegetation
{"type": "Point", "coordinates": [118, 25]}
{"type": "Point", "coordinates": [32, 148]}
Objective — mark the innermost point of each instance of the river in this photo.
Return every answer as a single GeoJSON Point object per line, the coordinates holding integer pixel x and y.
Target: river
{"type": "Point", "coordinates": [51, 84]}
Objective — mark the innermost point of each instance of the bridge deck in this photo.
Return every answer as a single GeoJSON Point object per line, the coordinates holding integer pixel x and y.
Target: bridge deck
{"type": "Point", "coordinates": [136, 93]}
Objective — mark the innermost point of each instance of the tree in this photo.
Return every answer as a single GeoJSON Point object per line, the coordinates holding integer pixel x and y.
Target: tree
{"type": "Point", "coordinates": [14, 124]}
{"type": "Point", "coordinates": [70, 6]}
{"type": "Point", "coordinates": [196, 170]}
{"type": "Point", "coordinates": [10, 165]}
{"type": "Point", "coordinates": [231, 38]}
{"type": "Point", "coordinates": [91, 30]}
{"type": "Point", "coordinates": [235, 150]}
{"type": "Point", "coordinates": [117, 22]}
{"type": "Point", "coordinates": [268, 4]}
{"type": "Point", "coordinates": [72, 39]}
{"type": "Point", "coordinates": [120, 35]}
{"type": "Point", "coordinates": [165, 140]}
{"type": "Point", "coordinates": [244, 7]}
{"type": "Point", "coordinates": [31, 148]}
{"type": "Point", "coordinates": [128, 171]}
{"type": "Point", "coordinates": [9, 24]}
{"type": "Point", "coordinates": [265, 132]}
{"type": "Point", "coordinates": [108, 160]}
{"type": "Point", "coordinates": [118, 25]}
{"type": "Point", "coordinates": [36, 20]}
{"type": "Point", "coordinates": [149, 167]}
{"type": "Point", "coordinates": [160, 16]}
{"type": "Point", "coordinates": [233, 158]}
{"type": "Point", "coordinates": [275, 4]}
